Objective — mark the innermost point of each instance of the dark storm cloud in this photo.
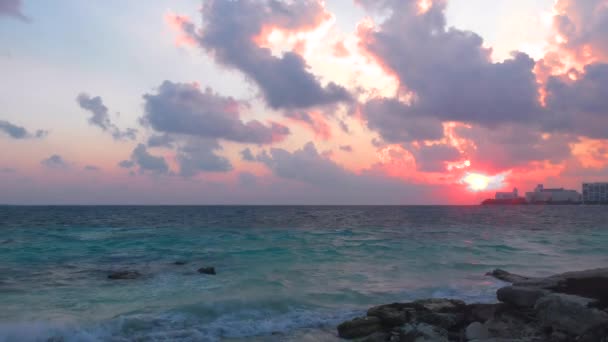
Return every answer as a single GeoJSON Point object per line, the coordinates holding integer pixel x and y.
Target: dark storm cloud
{"type": "Point", "coordinates": [55, 162]}
{"type": "Point", "coordinates": [101, 117]}
{"type": "Point", "coordinates": [397, 122]}
{"type": "Point", "coordinates": [200, 156]}
{"type": "Point", "coordinates": [12, 8]}
{"type": "Point", "coordinates": [285, 82]}
{"type": "Point", "coordinates": [147, 162]}
{"type": "Point", "coordinates": [181, 108]}
{"type": "Point", "coordinates": [18, 132]}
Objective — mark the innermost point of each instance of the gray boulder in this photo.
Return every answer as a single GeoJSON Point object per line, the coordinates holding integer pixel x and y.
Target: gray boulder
{"type": "Point", "coordinates": [523, 297]}
{"type": "Point", "coordinates": [477, 331]}
{"type": "Point", "coordinates": [359, 327]}
{"type": "Point", "coordinates": [568, 313]}
{"type": "Point", "coordinates": [422, 332]}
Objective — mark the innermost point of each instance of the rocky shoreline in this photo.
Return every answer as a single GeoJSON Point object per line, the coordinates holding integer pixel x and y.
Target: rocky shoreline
{"type": "Point", "coordinates": [565, 307]}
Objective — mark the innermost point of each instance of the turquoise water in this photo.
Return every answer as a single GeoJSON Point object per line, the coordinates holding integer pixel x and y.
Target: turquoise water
{"type": "Point", "coordinates": [283, 273]}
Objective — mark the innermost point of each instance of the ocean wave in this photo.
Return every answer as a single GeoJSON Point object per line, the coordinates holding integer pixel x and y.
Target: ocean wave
{"type": "Point", "coordinates": [177, 326]}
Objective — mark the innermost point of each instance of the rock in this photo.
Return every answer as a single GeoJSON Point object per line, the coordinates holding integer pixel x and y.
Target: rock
{"type": "Point", "coordinates": [392, 314]}
{"type": "Point", "coordinates": [422, 332]}
{"type": "Point", "coordinates": [447, 321]}
{"type": "Point", "coordinates": [524, 297]}
{"type": "Point", "coordinates": [477, 331]}
{"type": "Point", "coordinates": [595, 334]}
{"type": "Point", "coordinates": [481, 312]}
{"type": "Point", "coordinates": [180, 262]}
{"type": "Point", "coordinates": [359, 327]}
{"type": "Point", "coordinates": [377, 337]}
{"type": "Point", "coordinates": [207, 270]}
{"type": "Point", "coordinates": [568, 313]}
{"type": "Point", "coordinates": [589, 284]}
{"type": "Point", "coordinates": [124, 275]}
{"type": "Point", "coordinates": [441, 305]}
{"type": "Point", "coordinates": [506, 276]}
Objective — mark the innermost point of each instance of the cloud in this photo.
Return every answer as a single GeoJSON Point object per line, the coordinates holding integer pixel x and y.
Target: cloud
{"type": "Point", "coordinates": [328, 182]}
{"type": "Point", "coordinates": [147, 162]}
{"type": "Point", "coordinates": [101, 117]}
{"type": "Point", "coordinates": [18, 132]}
{"type": "Point", "coordinates": [126, 164]}
{"type": "Point", "coordinates": [92, 168]}
{"type": "Point", "coordinates": [199, 156]}
{"type": "Point", "coordinates": [514, 146]}
{"type": "Point", "coordinates": [448, 73]}
{"type": "Point", "coordinates": [247, 179]}
{"type": "Point", "coordinates": [433, 158]}
{"type": "Point", "coordinates": [285, 81]}
{"type": "Point", "coordinates": [583, 26]}
{"type": "Point", "coordinates": [247, 155]}
{"type": "Point", "coordinates": [55, 162]}
{"type": "Point", "coordinates": [7, 170]}
{"type": "Point", "coordinates": [579, 106]}
{"type": "Point", "coordinates": [398, 122]}
{"type": "Point", "coordinates": [313, 120]}
{"type": "Point", "coordinates": [346, 148]}
{"type": "Point", "coordinates": [164, 140]}
{"type": "Point", "coordinates": [182, 108]}
{"type": "Point", "coordinates": [12, 8]}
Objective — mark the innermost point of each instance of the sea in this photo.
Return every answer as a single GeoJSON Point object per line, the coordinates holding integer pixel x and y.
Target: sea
{"type": "Point", "coordinates": [284, 273]}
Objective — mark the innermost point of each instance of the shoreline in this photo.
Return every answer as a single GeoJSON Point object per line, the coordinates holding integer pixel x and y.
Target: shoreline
{"type": "Point", "coordinates": [565, 307]}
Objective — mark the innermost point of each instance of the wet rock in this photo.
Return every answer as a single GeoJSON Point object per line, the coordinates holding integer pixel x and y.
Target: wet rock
{"type": "Point", "coordinates": [392, 314]}
{"type": "Point", "coordinates": [207, 270]}
{"type": "Point", "coordinates": [569, 314]}
{"type": "Point", "coordinates": [595, 334]}
{"type": "Point", "coordinates": [481, 312]}
{"type": "Point", "coordinates": [180, 262]}
{"type": "Point", "coordinates": [377, 337]}
{"type": "Point", "coordinates": [447, 321]}
{"type": "Point", "coordinates": [507, 276]}
{"type": "Point", "coordinates": [477, 331]}
{"type": "Point", "coordinates": [524, 297]}
{"type": "Point", "coordinates": [124, 275]}
{"type": "Point", "coordinates": [422, 332]}
{"type": "Point", "coordinates": [441, 305]}
{"type": "Point", "coordinates": [360, 327]}
{"type": "Point", "coordinates": [589, 284]}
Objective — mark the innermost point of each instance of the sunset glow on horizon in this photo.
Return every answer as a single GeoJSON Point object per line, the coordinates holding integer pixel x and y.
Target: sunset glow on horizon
{"type": "Point", "coordinates": [298, 102]}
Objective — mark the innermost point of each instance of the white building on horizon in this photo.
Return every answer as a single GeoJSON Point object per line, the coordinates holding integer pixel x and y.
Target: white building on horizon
{"type": "Point", "coordinates": [558, 195]}
{"type": "Point", "coordinates": [507, 195]}
{"type": "Point", "coordinates": [595, 192]}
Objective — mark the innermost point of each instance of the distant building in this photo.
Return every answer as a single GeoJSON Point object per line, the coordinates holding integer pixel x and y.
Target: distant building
{"type": "Point", "coordinates": [595, 193]}
{"type": "Point", "coordinates": [560, 195]}
{"type": "Point", "coordinates": [507, 195]}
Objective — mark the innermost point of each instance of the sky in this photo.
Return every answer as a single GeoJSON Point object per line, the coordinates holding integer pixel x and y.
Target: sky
{"type": "Point", "coordinates": [299, 102]}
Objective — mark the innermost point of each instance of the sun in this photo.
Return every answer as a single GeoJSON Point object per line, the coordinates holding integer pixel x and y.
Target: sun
{"type": "Point", "coordinates": [476, 181]}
